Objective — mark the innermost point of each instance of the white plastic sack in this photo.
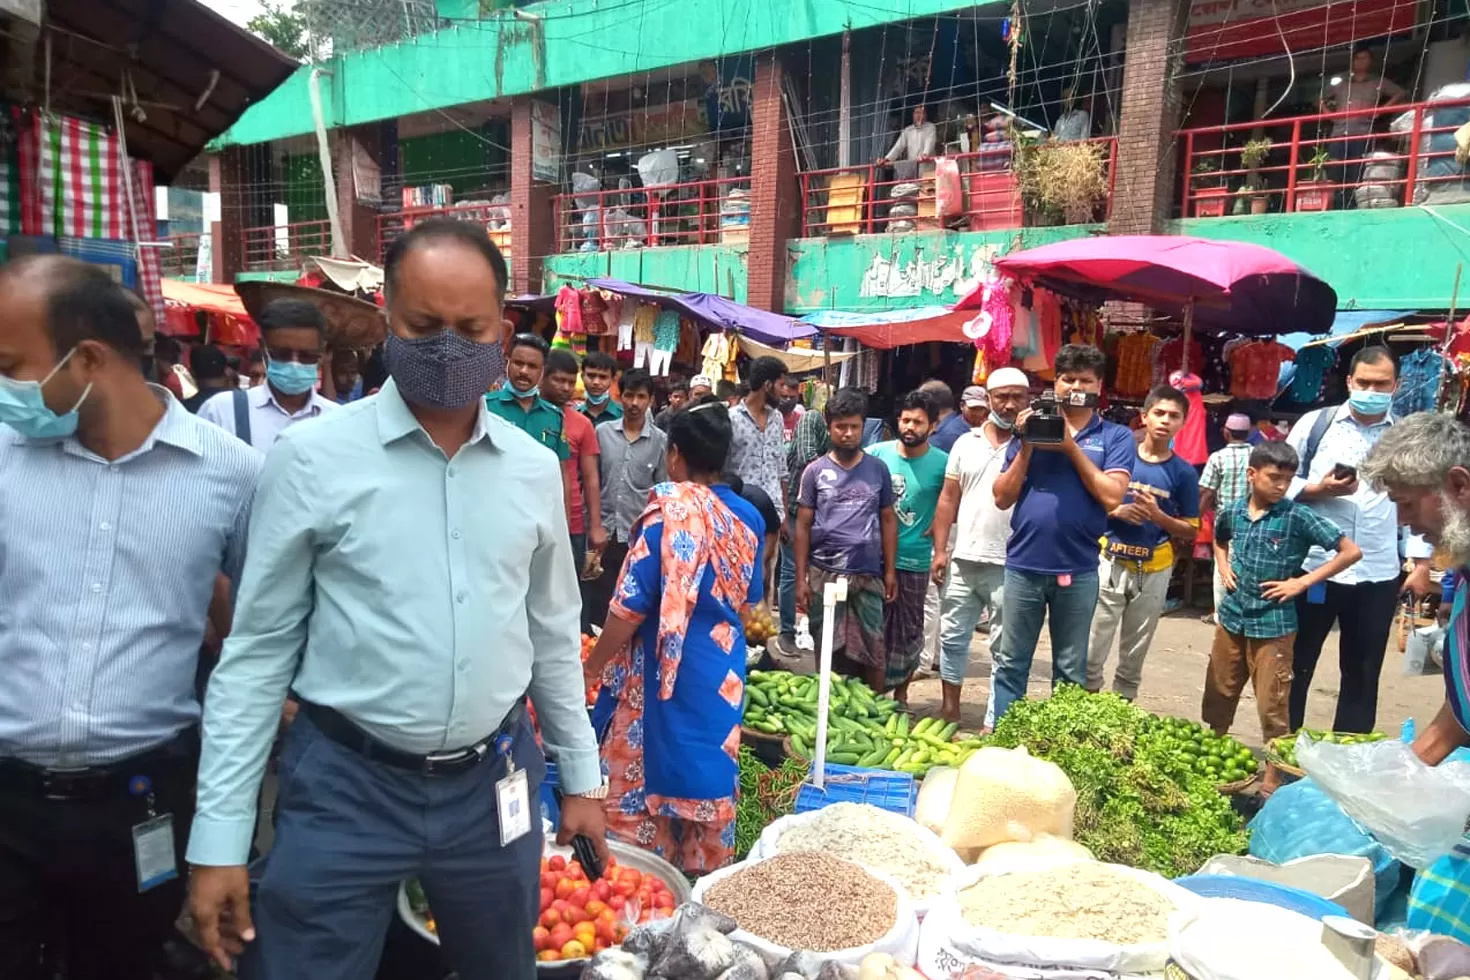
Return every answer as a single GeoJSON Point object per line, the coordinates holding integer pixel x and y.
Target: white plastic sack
{"type": "Point", "coordinates": [935, 794]}
{"type": "Point", "coordinates": [1423, 651]}
{"type": "Point", "coordinates": [1007, 794]}
{"type": "Point", "coordinates": [1417, 812]}
{"type": "Point", "coordinates": [901, 942]}
{"type": "Point", "coordinates": [769, 845]}
{"type": "Point", "coordinates": [1038, 854]}
{"type": "Point", "coordinates": [659, 168]}
{"type": "Point", "coordinates": [1234, 940]}
{"type": "Point", "coordinates": [947, 943]}
{"type": "Point", "coordinates": [1342, 878]}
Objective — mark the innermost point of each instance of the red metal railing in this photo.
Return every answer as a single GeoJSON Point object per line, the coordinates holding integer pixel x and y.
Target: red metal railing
{"type": "Point", "coordinates": [867, 199]}
{"type": "Point", "coordinates": [1323, 161]}
{"type": "Point", "coordinates": [390, 226]}
{"type": "Point", "coordinates": [284, 246]}
{"type": "Point", "coordinates": [181, 259]}
{"type": "Point", "coordinates": [700, 212]}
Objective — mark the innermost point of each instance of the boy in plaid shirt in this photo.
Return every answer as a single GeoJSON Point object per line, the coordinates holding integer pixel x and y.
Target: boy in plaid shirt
{"type": "Point", "coordinates": [1260, 543]}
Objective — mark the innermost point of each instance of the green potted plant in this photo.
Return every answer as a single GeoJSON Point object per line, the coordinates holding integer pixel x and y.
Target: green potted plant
{"type": "Point", "coordinates": [1252, 156]}
{"type": "Point", "coordinates": [1314, 193]}
{"type": "Point", "coordinates": [1208, 189]}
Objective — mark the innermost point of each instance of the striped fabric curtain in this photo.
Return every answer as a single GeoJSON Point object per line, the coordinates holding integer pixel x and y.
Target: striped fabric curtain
{"type": "Point", "coordinates": [9, 170]}
{"type": "Point", "coordinates": [71, 186]}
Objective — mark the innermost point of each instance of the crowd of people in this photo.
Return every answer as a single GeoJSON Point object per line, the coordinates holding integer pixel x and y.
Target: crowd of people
{"type": "Point", "coordinates": [383, 597]}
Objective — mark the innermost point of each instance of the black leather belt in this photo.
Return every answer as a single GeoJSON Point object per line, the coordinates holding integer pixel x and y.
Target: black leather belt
{"type": "Point", "coordinates": [121, 778]}
{"type": "Point", "coordinates": [451, 762]}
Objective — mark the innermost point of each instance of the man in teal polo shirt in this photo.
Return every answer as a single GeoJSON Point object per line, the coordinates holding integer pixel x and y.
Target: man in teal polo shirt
{"type": "Point", "coordinates": [599, 370]}
{"type": "Point", "coordinates": [519, 401]}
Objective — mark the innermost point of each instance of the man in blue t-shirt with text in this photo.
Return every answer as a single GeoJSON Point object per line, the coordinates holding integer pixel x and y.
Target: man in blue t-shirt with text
{"type": "Point", "coordinates": [1062, 493]}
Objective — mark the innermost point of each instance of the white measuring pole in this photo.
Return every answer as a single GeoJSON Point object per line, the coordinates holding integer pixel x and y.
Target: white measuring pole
{"type": "Point", "coordinates": [832, 594]}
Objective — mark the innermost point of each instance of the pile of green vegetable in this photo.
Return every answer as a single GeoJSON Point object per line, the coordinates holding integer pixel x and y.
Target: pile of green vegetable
{"type": "Point", "coordinates": [1219, 757]}
{"type": "Point", "coordinates": [765, 794]}
{"type": "Point", "coordinates": [863, 729]}
{"type": "Point", "coordinates": [1140, 800]}
{"type": "Point", "coordinates": [1285, 748]}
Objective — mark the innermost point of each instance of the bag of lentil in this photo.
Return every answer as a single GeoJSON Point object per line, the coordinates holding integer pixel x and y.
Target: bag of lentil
{"type": "Point", "coordinates": [809, 900]}
{"type": "Point", "coordinates": [1079, 921]}
{"type": "Point", "coordinates": [876, 839]}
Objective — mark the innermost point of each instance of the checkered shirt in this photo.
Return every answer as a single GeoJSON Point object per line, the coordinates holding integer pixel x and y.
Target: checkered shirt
{"type": "Point", "coordinates": [1268, 549]}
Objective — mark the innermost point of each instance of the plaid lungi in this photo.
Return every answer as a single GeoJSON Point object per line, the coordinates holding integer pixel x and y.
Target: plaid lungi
{"type": "Point", "coordinates": [857, 624]}
{"type": "Point", "coordinates": [903, 628]}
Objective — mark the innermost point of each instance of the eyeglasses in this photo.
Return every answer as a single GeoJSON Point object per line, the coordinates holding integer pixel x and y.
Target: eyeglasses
{"type": "Point", "coordinates": [285, 354]}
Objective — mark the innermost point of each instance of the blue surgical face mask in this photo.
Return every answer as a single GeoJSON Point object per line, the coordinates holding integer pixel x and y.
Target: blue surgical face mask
{"type": "Point", "coordinates": [598, 399]}
{"type": "Point", "coordinates": [23, 408]}
{"type": "Point", "coordinates": [1002, 423]}
{"type": "Point", "coordinates": [530, 392]}
{"type": "Point", "coordinates": [1370, 402]}
{"type": "Point", "coordinates": [290, 378]}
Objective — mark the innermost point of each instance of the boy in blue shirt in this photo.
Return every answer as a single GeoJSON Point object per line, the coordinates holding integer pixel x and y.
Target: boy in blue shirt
{"type": "Point", "coordinates": [1062, 494]}
{"type": "Point", "coordinates": [1138, 551]}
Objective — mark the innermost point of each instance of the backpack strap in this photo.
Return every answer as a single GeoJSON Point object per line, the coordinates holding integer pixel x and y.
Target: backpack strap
{"type": "Point", "coordinates": [242, 415]}
{"type": "Point", "coordinates": [1324, 418]}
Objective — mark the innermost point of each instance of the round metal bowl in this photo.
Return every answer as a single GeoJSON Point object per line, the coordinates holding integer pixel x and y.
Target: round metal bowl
{"type": "Point", "coordinates": [630, 857]}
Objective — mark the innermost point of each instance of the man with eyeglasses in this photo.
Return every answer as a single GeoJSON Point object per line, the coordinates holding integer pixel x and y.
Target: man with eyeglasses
{"type": "Point", "coordinates": [293, 333]}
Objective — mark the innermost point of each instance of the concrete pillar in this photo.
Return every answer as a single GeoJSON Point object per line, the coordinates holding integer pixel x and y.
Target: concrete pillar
{"type": "Point", "coordinates": [775, 192]}
{"type": "Point", "coordinates": [229, 177]}
{"type": "Point", "coordinates": [359, 219]}
{"type": "Point", "coordinates": [1148, 160]}
{"type": "Point", "coordinates": [532, 220]}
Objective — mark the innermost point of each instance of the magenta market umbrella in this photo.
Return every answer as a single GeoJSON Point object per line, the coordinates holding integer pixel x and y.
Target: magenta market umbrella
{"type": "Point", "coordinates": [1227, 286]}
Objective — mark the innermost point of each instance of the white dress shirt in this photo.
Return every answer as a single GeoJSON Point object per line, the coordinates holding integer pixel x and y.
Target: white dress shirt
{"type": "Point", "coordinates": [417, 595]}
{"type": "Point", "coordinates": [1366, 515]}
{"type": "Point", "coordinates": [107, 568]}
{"type": "Point", "coordinates": [267, 418]}
{"type": "Point", "coordinates": [981, 529]}
{"type": "Point", "coordinates": [913, 143]}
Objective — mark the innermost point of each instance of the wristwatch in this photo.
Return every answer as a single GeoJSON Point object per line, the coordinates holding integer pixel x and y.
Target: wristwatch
{"type": "Point", "coordinates": [600, 793]}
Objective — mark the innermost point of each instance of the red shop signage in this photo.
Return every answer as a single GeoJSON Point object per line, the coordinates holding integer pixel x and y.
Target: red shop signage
{"type": "Point", "coordinates": [1223, 30]}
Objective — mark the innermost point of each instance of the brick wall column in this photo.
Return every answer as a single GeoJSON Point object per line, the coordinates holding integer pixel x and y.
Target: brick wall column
{"type": "Point", "coordinates": [359, 221]}
{"type": "Point", "coordinates": [229, 177]}
{"type": "Point", "coordinates": [775, 194]}
{"type": "Point", "coordinates": [1143, 188]}
{"type": "Point", "coordinates": [532, 223]}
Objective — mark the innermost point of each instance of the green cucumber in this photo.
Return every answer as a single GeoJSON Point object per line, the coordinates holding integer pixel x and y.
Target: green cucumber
{"type": "Point", "coordinates": [903, 725]}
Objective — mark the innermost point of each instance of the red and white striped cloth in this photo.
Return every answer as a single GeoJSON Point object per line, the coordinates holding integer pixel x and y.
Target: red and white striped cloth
{"type": "Point", "coordinates": [71, 185]}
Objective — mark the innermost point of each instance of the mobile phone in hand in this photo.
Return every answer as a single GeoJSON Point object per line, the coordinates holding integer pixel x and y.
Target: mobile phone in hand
{"type": "Point", "coordinates": [1344, 472]}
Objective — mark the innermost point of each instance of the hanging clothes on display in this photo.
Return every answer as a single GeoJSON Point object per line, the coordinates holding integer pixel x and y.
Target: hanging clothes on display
{"type": "Point", "coordinates": [688, 350]}
{"type": "Point", "coordinates": [1135, 360]}
{"type": "Point", "coordinates": [665, 342]}
{"type": "Point", "coordinates": [626, 316]}
{"type": "Point", "coordinates": [1419, 376]}
{"type": "Point", "coordinates": [1049, 318]}
{"type": "Point", "coordinates": [1255, 368]}
{"type": "Point", "coordinates": [643, 319]}
{"type": "Point", "coordinates": [1169, 357]}
{"type": "Point", "coordinates": [1312, 364]}
{"type": "Point", "coordinates": [1190, 440]}
{"type": "Point", "coordinates": [569, 312]}
{"type": "Point", "coordinates": [594, 310]}
{"type": "Point", "coordinates": [992, 328]}
{"type": "Point", "coordinates": [612, 313]}
{"type": "Point", "coordinates": [1025, 330]}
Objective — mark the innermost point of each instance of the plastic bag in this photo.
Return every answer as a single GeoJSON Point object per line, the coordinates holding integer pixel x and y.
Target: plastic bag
{"type": "Point", "coordinates": [1416, 811]}
{"type": "Point", "coordinates": [1299, 820]}
{"type": "Point", "coordinates": [935, 795]}
{"type": "Point", "coordinates": [696, 950]}
{"type": "Point", "coordinates": [1006, 794]}
{"type": "Point", "coordinates": [1235, 940]}
{"type": "Point", "coordinates": [1423, 651]}
{"type": "Point", "coordinates": [948, 943]}
{"type": "Point", "coordinates": [949, 199]}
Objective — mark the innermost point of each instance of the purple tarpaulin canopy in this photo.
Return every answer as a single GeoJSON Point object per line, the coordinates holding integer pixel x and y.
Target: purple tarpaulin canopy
{"type": "Point", "coordinates": [726, 314]}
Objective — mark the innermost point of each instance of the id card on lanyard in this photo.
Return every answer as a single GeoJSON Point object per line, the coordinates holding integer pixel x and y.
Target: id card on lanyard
{"type": "Point", "coordinates": [153, 840]}
{"type": "Point", "coordinates": [512, 796]}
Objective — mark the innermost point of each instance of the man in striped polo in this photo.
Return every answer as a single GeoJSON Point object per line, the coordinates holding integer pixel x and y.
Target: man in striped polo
{"type": "Point", "coordinates": [101, 624]}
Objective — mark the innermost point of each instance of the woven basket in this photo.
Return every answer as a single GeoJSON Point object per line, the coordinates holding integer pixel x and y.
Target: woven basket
{"type": "Point", "coordinates": [1240, 785]}
{"type": "Point", "coordinates": [1274, 757]}
{"type": "Point", "coordinates": [351, 322]}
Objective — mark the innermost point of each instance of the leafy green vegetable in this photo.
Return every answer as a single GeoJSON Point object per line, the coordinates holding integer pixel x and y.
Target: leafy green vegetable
{"type": "Point", "coordinates": [1140, 801]}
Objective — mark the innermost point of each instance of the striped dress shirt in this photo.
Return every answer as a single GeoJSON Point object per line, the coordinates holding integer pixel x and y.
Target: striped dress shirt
{"type": "Point", "coordinates": [107, 569]}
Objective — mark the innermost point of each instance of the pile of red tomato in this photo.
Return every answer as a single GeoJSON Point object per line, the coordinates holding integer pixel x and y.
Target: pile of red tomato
{"type": "Point", "coordinates": [580, 918]}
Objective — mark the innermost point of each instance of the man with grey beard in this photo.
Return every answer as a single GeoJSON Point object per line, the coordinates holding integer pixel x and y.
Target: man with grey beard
{"type": "Point", "coordinates": [1423, 462]}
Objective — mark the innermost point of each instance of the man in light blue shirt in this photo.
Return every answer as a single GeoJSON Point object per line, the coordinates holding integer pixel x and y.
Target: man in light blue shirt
{"type": "Point", "coordinates": [412, 616]}
{"type": "Point", "coordinates": [118, 509]}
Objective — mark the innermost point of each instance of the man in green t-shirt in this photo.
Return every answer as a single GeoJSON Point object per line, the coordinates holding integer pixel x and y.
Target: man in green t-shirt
{"type": "Point", "coordinates": [918, 477]}
{"type": "Point", "coordinates": [519, 401]}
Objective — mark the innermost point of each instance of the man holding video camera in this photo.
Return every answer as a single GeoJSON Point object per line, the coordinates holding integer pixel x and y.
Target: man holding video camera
{"type": "Point", "coordinates": [1068, 470]}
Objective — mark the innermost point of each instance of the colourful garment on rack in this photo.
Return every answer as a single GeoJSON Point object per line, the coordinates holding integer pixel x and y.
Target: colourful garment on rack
{"type": "Point", "coordinates": [665, 330]}
{"type": "Point", "coordinates": [1190, 441]}
{"type": "Point", "coordinates": [1311, 371]}
{"type": "Point", "coordinates": [1255, 368]}
{"type": "Point", "coordinates": [1419, 376]}
{"type": "Point", "coordinates": [1135, 360]}
{"type": "Point", "coordinates": [569, 312]}
{"type": "Point", "coordinates": [993, 326]}
{"type": "Point", "coordinates": [1048, 308]}
{"type": "Point", "coordinates": [1169, 357]}
{"type": "Point", "coordinates": [593, 306]}
{"type": "Point", "coordinates": [643, 320]}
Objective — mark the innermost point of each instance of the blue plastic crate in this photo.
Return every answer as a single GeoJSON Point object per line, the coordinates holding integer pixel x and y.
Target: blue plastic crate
{"type": "Point", "coordinates": [896, 792]}
{"type": "Point", "coordinates": [549, 810]}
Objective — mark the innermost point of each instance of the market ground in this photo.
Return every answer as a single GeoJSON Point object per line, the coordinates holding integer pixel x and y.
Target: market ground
{"type": "Point", "coordinates": [1173, 678]}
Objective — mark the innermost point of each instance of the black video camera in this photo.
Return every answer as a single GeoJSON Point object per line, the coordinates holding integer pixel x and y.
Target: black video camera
{"type": "Point", "coordinates": [1045, 426]}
